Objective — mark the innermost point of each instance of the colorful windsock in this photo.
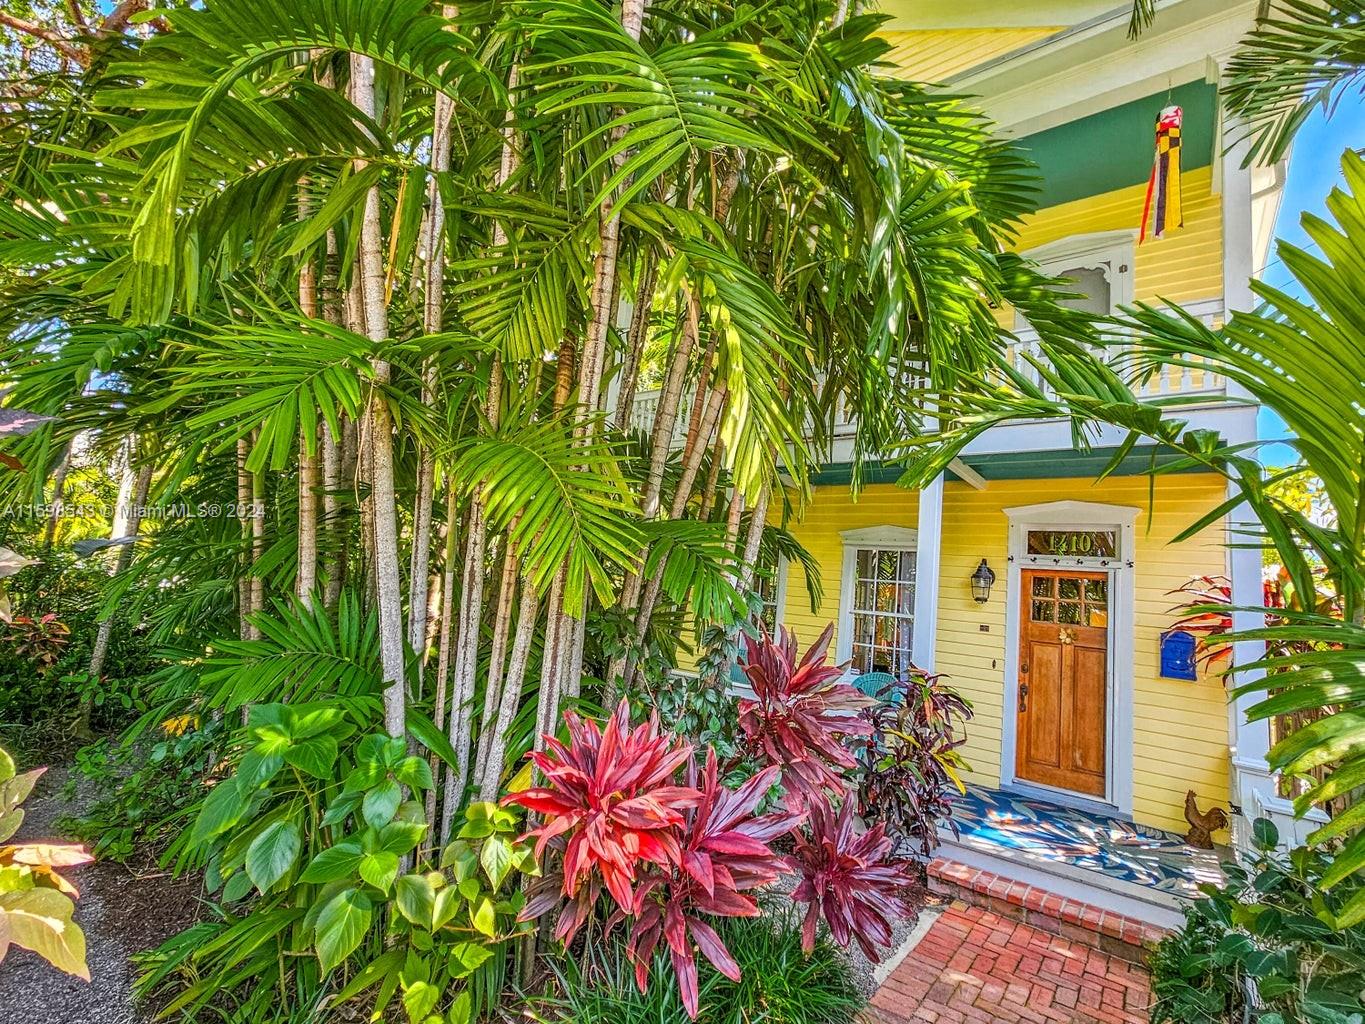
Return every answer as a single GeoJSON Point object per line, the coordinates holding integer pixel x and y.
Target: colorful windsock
{"type": "Point", "coordinates": [1162, 207]}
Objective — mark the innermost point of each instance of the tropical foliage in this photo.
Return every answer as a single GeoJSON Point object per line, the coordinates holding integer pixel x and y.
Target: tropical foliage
{"type": "Point", "coordinates": [910, 767]}
{"type": "Point", "coordinates": [336, 314]}
{"type": "Point", "coordinates": [675, 857]}
{"type": "Point", "coordinates": [1259, 944]}
{"type": "Point", "coordinates": [36, 901]}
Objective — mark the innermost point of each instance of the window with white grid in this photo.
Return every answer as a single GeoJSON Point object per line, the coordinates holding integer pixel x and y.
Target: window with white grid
{"type": "Point", "coordinates": [881, 615]}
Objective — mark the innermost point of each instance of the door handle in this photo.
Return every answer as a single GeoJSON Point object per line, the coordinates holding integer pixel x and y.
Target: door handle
{"type": "Point", "coordinates": [1023, 697]}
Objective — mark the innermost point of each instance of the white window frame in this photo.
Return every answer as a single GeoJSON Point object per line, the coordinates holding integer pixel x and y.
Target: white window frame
{"type": "Point", "coordinates": [883, 538]}
{"type": "Point", "coordinates": [1110, 252]}
{"type": "Point", "coordinates": [1077, 515]}
{"type": "Point", "coordinates": [780, 594]}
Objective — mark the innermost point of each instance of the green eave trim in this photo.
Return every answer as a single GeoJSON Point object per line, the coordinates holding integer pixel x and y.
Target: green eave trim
{"type": "Point", "coordinates": [1114, 148]}
{"type": "Point", "coordinates": [1045, 465]}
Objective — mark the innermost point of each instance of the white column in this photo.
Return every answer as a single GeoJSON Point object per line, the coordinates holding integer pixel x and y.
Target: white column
{"type": "Point", "coordinates": [1238, 235]}
{"type": "Point", "coordinates": [928, 546]}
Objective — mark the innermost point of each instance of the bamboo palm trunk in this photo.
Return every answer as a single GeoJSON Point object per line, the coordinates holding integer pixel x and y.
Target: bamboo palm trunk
{"type": "Point", "coordinates": [460, 727]}
{"type": "Point", "coordinates": [306, 580]}
{"type": "Point", "coordinates": [130, 528]}
{"type": "Point", "coordinates": [433, 297]}
{"type": "Point", "coordinates": [388, 581]}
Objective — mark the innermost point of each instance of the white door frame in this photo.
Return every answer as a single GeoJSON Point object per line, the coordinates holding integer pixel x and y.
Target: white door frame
{"type": "Point", "coordinates": [1077, 515]}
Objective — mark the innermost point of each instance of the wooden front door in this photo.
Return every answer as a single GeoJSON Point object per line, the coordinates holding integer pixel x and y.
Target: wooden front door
{"type": "Point", "coordinates": [1063, 680]}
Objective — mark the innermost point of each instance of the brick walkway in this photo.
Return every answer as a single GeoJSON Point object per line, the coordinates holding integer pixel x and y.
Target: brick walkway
{"type": "Point", "coordinates": [973, 967]}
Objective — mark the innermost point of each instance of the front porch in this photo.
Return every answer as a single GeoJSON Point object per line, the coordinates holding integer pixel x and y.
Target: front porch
{"type": "Point", "coordinates": [1014, 849]}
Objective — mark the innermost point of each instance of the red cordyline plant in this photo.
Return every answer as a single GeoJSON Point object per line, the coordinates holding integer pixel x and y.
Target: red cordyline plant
{"type": "Point", "coordinates": [669, 853]}
{"type": "Point", "coordinates": [801, 713]}
{"type": "Point", "coordinates": [610, 793]}
{"type": "Point", "coordinates": [850, 877]}
{"type": "Point", "coordinates": [725, 856]}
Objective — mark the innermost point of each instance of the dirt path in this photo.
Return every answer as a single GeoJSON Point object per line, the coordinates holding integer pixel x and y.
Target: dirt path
{"type": "Point", "coordinates": [121, 911]}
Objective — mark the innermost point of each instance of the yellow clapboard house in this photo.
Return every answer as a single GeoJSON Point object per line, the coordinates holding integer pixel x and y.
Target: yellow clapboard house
{"type": "Point", "coordinates": [1062, 660]}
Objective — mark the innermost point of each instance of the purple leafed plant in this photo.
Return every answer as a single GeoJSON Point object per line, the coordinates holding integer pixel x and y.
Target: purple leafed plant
{"type": "Point", "coordinates": [851, 878]}
{"type": "Point", "coordinates": [801, 714]}
{"type": "Point", "coordinates": [911, 766]}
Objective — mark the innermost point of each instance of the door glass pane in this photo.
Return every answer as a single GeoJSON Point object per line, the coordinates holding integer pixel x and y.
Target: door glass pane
{"type": "Point", "coordinates": [1043, 611]}
{"type": "Point", "coordinates": [1069, 589]}
{"type": "Point", "coordinates": [1042, 586]}
{"type": "Point", "coordinates": [1069, 613]}
{"type": "Point", "coordinates": [1097, 591]}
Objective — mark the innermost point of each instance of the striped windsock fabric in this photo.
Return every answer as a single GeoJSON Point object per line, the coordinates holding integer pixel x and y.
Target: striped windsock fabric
{"type": "Point", "coordinates": [1162, 207]}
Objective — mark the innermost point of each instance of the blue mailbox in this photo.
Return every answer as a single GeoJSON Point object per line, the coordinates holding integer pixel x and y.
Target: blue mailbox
{"type": "Point", "coordinates": [1178, 654]}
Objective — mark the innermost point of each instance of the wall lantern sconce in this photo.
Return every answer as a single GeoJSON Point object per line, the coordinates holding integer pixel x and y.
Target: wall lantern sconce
{"type": "Point", "coordinates": [982, 581]}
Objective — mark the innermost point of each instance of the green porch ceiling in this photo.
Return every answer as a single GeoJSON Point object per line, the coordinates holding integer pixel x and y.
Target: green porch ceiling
{"type": "Point", "coordinates": [1113, 149]}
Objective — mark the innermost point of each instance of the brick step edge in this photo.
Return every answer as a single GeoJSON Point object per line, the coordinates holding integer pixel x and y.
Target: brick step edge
{"type": "Point", "coordinates": [1110, 933]}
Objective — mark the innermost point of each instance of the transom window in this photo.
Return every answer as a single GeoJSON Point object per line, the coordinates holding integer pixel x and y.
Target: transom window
{"type": "Point", "coordinates": [882, 616]}
{"type": "Point", "coordinates": [1074, 543]}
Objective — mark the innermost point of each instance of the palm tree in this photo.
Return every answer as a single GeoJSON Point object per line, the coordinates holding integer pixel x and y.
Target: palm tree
{"type": "Point", "coordinates": [381, 249]}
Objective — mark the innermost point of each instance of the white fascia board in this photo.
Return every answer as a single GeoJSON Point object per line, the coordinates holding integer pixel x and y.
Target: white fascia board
{"type": "Point", "coordinates": [1084, 72]}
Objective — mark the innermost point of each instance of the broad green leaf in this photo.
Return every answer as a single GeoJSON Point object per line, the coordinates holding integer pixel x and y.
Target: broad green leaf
{"type": "Point", "coordinates": [341, 926]}
{"type": "Point", "coordinates": [496, 858]}
{"type": "Point", "coordinates": [416, 898]}
{"type": "Point", "coordinates": [379, 869]}
{"type": "Point", "coordinates": [469, 957]}
{"type": "Point", "coordinates": [414, 772]}
{"type": "Point", "coordinates": [381, 803]}
{"type": "Point", "coordinates": [316, 756]}
{"type": "Point", "coordinates": [485, 918]}
{"type": "Point", "coordinates": [461, 1010]}
{"type": "Point", "coordinates": [222, 808]}
{"type": "Point", "coordinates": [272, 853]}
{"type": "Point", "coordinates": [334, 863]}
{"type": "Point", "coordinates": [419, 999]}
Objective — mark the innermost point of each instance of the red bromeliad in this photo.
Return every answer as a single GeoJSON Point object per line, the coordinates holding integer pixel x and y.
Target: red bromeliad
{"type": "Point", "coordinates": [610, 793]}
{"type": "Point", "coordinates": [850, 877]}
{"type": "Point", "coordinates": [801, 713]}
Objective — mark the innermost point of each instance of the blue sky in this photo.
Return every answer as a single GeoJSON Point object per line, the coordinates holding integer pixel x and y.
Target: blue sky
{"type": "Point", "coordinates": [1314, 167]}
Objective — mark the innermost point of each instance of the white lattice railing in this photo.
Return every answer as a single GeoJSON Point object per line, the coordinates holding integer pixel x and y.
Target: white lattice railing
{"type": "Point", "coordinates": [1171, 380]}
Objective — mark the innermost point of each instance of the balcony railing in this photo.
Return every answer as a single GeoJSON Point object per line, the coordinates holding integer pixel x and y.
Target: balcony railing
{"type": "Point", "coordinates": [1170, 381]}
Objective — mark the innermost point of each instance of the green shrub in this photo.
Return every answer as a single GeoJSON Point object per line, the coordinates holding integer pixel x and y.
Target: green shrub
{"type": "Point", "coordinates": [778, 985]}
{"type": "Point", "coordinates": [1269, 935]}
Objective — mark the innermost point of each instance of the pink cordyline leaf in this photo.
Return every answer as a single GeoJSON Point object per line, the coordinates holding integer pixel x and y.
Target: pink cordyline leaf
{"type": "Point", "coordinates": [850, 878]}
{"type": "Point", "coordinates": [611, 798]}
{"type": "Point", "coordinates": [801, 713]}
{"type": "Point", "coordinates": [725, 855]}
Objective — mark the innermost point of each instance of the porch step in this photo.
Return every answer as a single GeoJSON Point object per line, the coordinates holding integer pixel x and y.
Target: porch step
{"type": "Point", "coordinates": [1081, 911]}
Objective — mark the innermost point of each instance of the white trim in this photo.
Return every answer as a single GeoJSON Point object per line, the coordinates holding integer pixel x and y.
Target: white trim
{"type": "Point", "coordinates": [886, 538]}
{"type": "Point", "coordinates": [780, 575]}
{"type": "Point", "coordinates": [1122, 629]}
{"type": "Point", "coordinates": [967, 475]}
{"type": "Point", "coordinates": [924, 638]}
{"type": "Point", "coordinates": [1113, 253]}
{"type": "Point", "coordinates": [1095, 66]}
{"type": "Point", "coordinates": [897, 538]}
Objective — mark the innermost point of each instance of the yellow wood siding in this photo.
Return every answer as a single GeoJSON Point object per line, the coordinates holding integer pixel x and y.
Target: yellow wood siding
{"type": "Point", "coordinates": [1185, 266]}
{"type": "Point", "coordinates": [934, 55]}
{"type": "Point", "coordinates": [1180, 728]}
